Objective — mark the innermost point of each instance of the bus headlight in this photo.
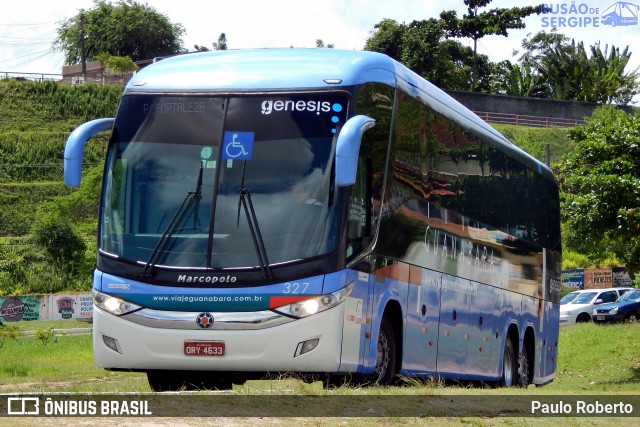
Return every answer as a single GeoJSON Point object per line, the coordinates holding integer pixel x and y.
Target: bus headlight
{"type": "Point", "coordinates": [315, 305]}
{"type": "Point", "coordinates": [112, 304]}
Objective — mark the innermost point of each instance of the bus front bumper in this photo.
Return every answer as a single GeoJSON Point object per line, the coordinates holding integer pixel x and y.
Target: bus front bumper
{"type": "Point", "coordinates": [121, 344]}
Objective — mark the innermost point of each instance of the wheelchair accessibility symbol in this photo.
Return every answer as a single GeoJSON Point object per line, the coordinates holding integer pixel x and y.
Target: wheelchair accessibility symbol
{"type": "Point", "coordinates": [237, 145]}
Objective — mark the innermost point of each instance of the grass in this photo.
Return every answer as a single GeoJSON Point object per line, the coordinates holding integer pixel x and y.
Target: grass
{"type": "Point", "coordinates": [593, 360]}
{"type": "Point", "coordinates": [51, 324]}
{"type": "Point", "coordinates": [599, 358]}
{"type": "Point", "coordinates": [61, 363]}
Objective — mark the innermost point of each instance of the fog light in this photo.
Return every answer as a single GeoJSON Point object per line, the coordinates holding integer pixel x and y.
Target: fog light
{"type": "Point", "coordinates": [112, 343]}
{"type": "Point", "coordinates": [306, 346]}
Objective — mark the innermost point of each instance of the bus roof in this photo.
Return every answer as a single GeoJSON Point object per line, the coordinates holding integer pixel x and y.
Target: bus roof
{"type": "Point", "coordinates": [258, 70]}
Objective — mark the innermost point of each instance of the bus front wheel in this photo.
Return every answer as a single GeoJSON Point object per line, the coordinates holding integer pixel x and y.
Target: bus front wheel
{"type": "Point", "coordinates": [385, 370]}
{"type": "Point", "coordinates": [187, 381]}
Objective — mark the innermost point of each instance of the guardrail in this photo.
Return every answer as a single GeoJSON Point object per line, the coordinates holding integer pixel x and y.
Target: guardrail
{"type": "Point", "coordinates": [523, 120]}
{"type": "Point", "coordinates": [37, 77]}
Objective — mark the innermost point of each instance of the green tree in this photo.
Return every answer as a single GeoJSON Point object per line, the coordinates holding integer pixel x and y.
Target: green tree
{"type": "Point", "coordinates": [57, 236]}
{"type": "Point", "coordinates": [221, 44]}
{"type": "Point", "coordinates": [422, 46]}
{"type": "Point", "coordinates": [514, 80]}
{"type": "Point", "coordinates": [565, 69]}
{"type": "Point", "coordinates": [320, 43]}
{"type": "Point", "coordinates": [387, 38]}
{"type": "Point", "coordinates": [475, 25]}
{"type": "Point", "coordinates": [600, 182]}
{"type": "Point", "coordinates": [123, 29]}
{"type": "Point", "coordinates": [117, 64]}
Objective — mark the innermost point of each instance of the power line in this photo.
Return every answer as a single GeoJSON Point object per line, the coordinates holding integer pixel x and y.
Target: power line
{"type": "Point", "coordinates": [28, 55]}
{"type": "Point", "coordinates": [57, 65]}
{"type": "Point", "coordinates": [22, 38]}
{"type": "Point", "coordinates": [29, 25]}
{"type": "Point", "coordinates": [31, 57]}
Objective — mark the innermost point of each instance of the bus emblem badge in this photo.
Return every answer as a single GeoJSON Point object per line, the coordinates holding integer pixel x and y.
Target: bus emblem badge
{"type": "Point", "coordinates": [204, 320]}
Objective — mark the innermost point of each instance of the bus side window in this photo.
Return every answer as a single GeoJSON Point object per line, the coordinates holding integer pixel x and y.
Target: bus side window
{"type": "Point", "coordinates": [359, 214]}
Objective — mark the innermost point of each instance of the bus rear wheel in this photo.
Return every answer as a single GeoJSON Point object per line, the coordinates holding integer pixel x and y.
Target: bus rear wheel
{"type": "Point", "coordinates": [523, 368]}
{"type": "Point", "coordinates": [509, 366]}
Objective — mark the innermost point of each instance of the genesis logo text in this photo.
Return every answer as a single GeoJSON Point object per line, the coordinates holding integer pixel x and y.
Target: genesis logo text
{"type": "Point", "coordinates": [268, 107]}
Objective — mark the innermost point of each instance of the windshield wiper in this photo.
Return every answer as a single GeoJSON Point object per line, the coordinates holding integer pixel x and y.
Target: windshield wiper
{"type": "Point", "coordinates": [252, 220]}
{"type": "Point", "coordinates": [192, 198]}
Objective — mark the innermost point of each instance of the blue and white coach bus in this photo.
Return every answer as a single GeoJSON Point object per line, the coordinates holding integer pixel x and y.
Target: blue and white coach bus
{"type": "Point", "coordinates": [322, 212]}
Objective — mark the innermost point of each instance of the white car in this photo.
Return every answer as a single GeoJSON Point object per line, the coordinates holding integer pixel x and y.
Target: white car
{"type": "Point", "coordinates": [578, 308]}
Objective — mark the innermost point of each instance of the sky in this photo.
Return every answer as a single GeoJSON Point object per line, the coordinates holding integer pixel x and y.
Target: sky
{"type": "Point", "coordinates": [27, 30]}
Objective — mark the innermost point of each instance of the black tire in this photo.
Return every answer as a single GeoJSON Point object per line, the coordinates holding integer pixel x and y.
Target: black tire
{"type": "Point", "coordinates": [385, 370]}
{"type": "Point", "coordinates": [633, 317]}
{"type": "Point", "coordinates": [523, 368]}
{"type": "Point", "coordinates": [509, 366]}
{"type": "Point", "coordinates": [160, 381]}
{"type": "Point", "coordinates": [583, 318]}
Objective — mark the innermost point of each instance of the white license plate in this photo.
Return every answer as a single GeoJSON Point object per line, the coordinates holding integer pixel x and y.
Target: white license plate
{"type": "Point", "coordinates": [204, 348]}
{"type": "Point", "coordinates": [600, 317]}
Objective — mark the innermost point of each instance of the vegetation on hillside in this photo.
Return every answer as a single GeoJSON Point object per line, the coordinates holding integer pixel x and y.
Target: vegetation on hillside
{"type": "Point", "coordinates": [41, 251]}
{"type": "Point", "coordinates": [534, 140]}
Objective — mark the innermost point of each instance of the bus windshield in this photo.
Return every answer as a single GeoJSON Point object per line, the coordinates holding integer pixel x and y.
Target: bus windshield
{"type": "Point", "coordinates": [221, 182]}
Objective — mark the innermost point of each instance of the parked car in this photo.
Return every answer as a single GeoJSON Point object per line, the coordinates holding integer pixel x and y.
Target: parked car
{"type": "Point", "coordinates": [569, 297]}
{"type": "Point", "coordinates": [626, 309]}
{"type": "Point", "coordinates": [580, 308]}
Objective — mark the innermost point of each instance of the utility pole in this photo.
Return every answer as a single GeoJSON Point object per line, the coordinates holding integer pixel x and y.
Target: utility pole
{"type": "Point", "coordinates": [83, 57]}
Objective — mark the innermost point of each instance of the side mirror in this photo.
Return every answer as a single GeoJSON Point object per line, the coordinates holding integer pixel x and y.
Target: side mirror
{"type": "Point", "coordinates": [347, 149]}
{"type": "Point", "coordinates": [598, 301]}
{"type": "Point", "coordinates": [74, 148]}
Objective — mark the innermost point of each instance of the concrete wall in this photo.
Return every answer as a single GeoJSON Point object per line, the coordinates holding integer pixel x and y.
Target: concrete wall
{"type": "Point", "coordinates": [481, 102]}
{"type": "Point", "coordinates": [46, 307]}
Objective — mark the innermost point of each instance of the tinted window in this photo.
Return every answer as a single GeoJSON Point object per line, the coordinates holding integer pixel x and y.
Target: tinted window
{"type": "Point", "coordinates": [213, 176]}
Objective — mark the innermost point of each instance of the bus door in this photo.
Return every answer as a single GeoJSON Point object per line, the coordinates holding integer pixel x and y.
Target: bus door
{"type": "Point", "coordinates": [422, 314]}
